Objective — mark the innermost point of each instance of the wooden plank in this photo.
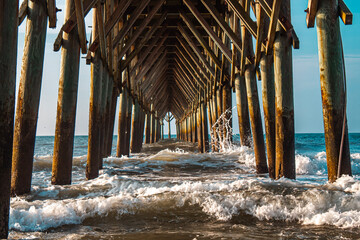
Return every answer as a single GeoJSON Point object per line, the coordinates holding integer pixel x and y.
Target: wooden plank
{"type": "Point", "coordinates": [141, 28]}
{"type": "Point", "coordinates": [272, 27]}
{"type": "Point", "coordinates": [23, 11]}
{"type": "Point", "coordinates": [196, 49]}
{"type": "Point", "coordinates": [311, 13]}
{"type": "Point", "coordinates": [51, 7]}
{"type": "Point", "coordinates": [198, 36]}
{"type": "Point", "coordinates": [245, 17]}
{"type": "Point", "coordinates": [345, 13]}
{"type": "Point", "coordinates": [109, 25]}
{"type": "Point", "coordinates": [79, 9]}
{"type": "Point", "coordinates": [101, 30]}
{"type": "Point", "coordinates": [208, 29]}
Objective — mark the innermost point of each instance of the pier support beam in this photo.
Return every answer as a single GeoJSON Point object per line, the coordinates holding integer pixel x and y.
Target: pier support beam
{"type": "Point", "coordinates": [242, 111]}
{"type": "Point", "coordinates": [128, 125]}
{"type": "Point", "coordinates": [94, 153]}
{"type": "Point", "coordinates": [135, 129]}
{"type": "Point", "coordinates": [28, 98]}
{"type": "Point", "coordinates": [147, 128]}
{"type": "Point", "coordinates": [268, 97]}
{"type": "Point", "coordinates": [120, 149]}
{"type": "Point", "coordinates": [66, 109]}
{"type": "Point", "coordinates": [284, 103]}
{"type": "Point", "coordinates": [332, 79]}
{"type": "Point", "coordinates": [199, 129]}
{"type": "Point", "coordinates": [204, 126]}
{"type": "Point", "coordinates": [8, 50]}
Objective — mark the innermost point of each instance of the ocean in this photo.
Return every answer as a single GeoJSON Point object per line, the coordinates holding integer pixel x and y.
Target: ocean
{"type": "Point", "coordinates": [169, 191]}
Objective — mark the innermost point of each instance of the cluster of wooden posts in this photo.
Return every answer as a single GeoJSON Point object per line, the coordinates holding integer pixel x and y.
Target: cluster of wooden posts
{"type": "Point", "coordinates": [129, 62]}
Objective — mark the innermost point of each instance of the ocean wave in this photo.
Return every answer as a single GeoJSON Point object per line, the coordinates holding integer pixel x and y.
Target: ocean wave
{"type": "Point", "coordinates": [335, 204]}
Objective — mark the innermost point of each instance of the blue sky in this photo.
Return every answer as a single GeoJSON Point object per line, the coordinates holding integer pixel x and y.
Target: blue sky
{"type": "Point", "coordinates": [307, 96]}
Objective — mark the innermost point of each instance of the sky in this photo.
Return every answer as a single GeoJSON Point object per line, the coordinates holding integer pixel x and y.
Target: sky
{"type": "Point", "coordinates": [307, 95]}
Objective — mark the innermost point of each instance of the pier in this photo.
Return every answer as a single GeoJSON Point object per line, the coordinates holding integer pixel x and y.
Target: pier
{"type": "Point", "coordinates": [160, 60]}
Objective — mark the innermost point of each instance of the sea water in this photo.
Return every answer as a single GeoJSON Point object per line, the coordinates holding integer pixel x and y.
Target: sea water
{"type": "Point", "coordinates": [170, 191]}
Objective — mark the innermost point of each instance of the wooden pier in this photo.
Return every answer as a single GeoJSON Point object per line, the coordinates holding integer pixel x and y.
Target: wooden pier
{"type": "Point", "coordinates": [164, 60]}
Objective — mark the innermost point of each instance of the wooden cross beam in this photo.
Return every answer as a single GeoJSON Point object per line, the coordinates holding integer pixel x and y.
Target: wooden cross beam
{"type": "Point", "coordinates": [272, 27]}
{"type": "Point", "coordinates": [243, 15]}
{"type": "Point", "coordinates": [196, 49]}
{"type": "Point", "coordinates": [51, 7]}
{"type": "Point", "coordinates": [110, 23]}
{"type": "Point", "coordinates": [141, 44]}
{"type": "Point", "coordinates": [226, 51]}
{"type": "Point", "coordinates": [101, 30]}
{"type": "Point", "coordinates": [71, 23]}
{"type": "Point", "coordinates": [192, 55]}
{"type": "Point", "coordinates": [283, 21]}
{"type": "Point", "coordinates": [141, 28]}
{"type": "Point", "coordinates": [200, 39]}
{"type": "Point", "coordinates": [129, 23]}
{"type": "Point", "coordinates": [23, 11]}
{"type": "Point", "coordinates": [345, 14]}
{"type": "Point", "coordinates": [79, 9]}
{"type": "Point", "coordinates": [145, 55]}
{"type": "Point", "coordinates": [184, 56]}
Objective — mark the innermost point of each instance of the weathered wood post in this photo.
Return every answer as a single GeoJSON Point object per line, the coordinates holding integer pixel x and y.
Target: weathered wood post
{"type": "Point", "coordinates": [253, 103]}
{"type": "Point", "coordinates": [94, 155]}
{"type": "Point", "coordinates": [199, 129]}
{"type": "Point", "coordinates": [152, 123]}
{"type": "Point", "coordinates": [104, 90]}
{"type": "Point", "coordinates": [169, 130]}
{"type": "Point", "coordinates": [205, 128]}
{"type": "Point", "coordinates": [242, 111]}
{"type": "Point", "coordinates": [135, 129]}
{"type": "Point", "coordinates": [268, 89]}
{"type": "Point", "coordinates": [147, 128]}
{"type": "Point", "coordinates": [128, 124]}
{"type": "Point", "coordinates": [268, 97]}
{"type": "Point", "coordinates": [284, 103]}
{"type": "Point", "coordinates": [28, 98]}
{"type": "Point", "coordinates": [120, 149]}
{"type": "Point", "coordinates": [162, 129]}
{"type": "Point", "coordinates": [8, 50]}
{"type": "Point", "coordinates": [66, 108]}
{"type": "Point", "coordinates": [333, 92]}
{"type": "Point", "coordinates": [215, 145]}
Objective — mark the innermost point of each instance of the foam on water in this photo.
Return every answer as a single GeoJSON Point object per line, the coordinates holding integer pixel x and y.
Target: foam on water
{"type": "Point", "coordinates": [222, 185]}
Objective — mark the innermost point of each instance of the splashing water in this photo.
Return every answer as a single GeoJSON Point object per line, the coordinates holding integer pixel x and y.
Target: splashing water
{"type": "Point", "coordinates": [222, 131]}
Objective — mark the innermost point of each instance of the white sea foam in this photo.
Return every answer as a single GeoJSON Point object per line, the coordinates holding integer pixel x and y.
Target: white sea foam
{"type": "Point", "coordinates": [335, 204]}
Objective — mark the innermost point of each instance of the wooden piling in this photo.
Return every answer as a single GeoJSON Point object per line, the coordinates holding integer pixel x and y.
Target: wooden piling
{"type": "Point", "coordinates": [205, 126]}
{"type": "Point", "coordinates": [147, 128]}
{"type": "Point", "coordinates": [28, 98]}
{"type": "Point", "coordinates": [199, 129]}
{"type": "Point", "coordinates": [268, 97]}
{"type": "Point", "coordinates": [332, 80]}
{"type": "Point", "coordinates": [66, 109]}
{"type": "Point", "coordinates": [8, 49]}
{"type": "Point", "coordinates": [135, 129]}
{"type": "Point", "coordinates": [94, 155]}
{"type": "Point", "coordinates": [104, 86]}
{"type": "Point", "coordinates": [284, 103]}
{"type": "Point", "coordinates": [120, 148]}
{"type": "Point", "coordinates": [128, 124]}
{"type": "Point", "coordinates": [152, 123]}
{"type": "Point", "coordinates": [242, 111]}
